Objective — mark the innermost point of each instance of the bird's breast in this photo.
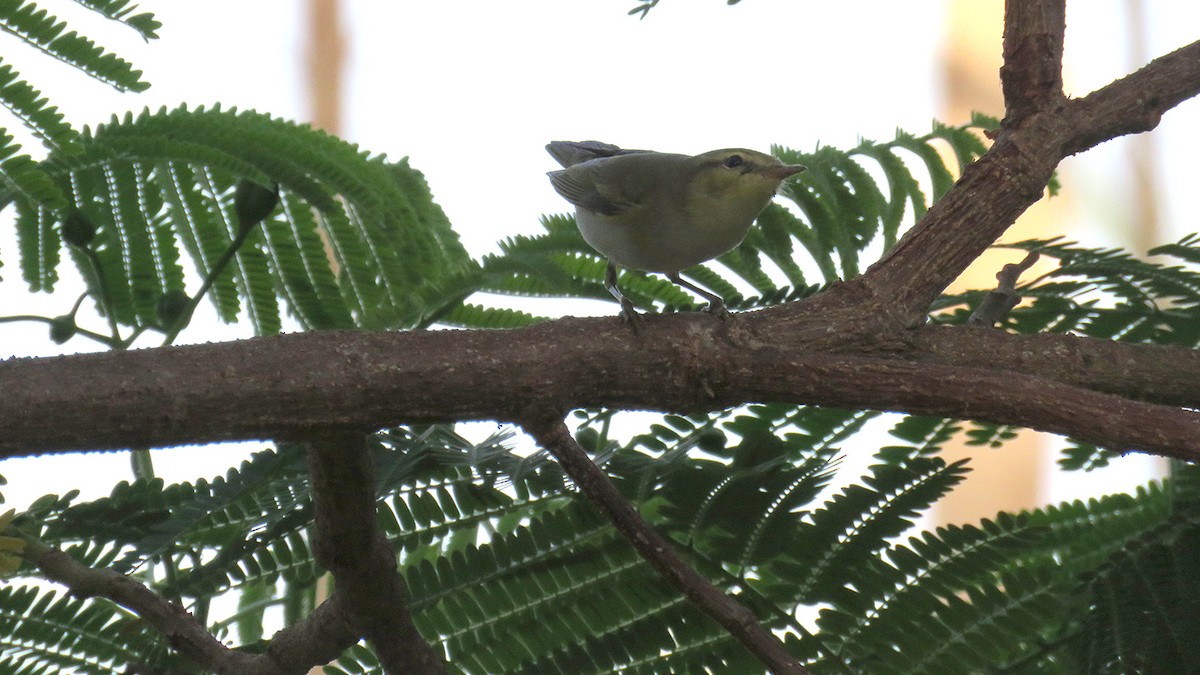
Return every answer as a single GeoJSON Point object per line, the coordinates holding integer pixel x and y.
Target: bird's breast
{"type": "Point", "coordinates": [687, 237]}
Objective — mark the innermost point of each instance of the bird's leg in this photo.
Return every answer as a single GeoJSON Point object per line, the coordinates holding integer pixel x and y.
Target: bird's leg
{"type": "Point", "coordinates": [628, 313]}
{"type": "Point", "coordinates": [716, 306]}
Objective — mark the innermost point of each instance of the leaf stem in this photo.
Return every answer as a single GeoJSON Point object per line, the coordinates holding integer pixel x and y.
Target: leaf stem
{"type": "Point", "coordinates": [185, 316]}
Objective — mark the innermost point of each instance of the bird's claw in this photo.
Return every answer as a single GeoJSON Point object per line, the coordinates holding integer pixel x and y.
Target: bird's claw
{"type": "Point", "coordinates": [718, 309]}
{"type": "Point", "coordinates": [629, 315]}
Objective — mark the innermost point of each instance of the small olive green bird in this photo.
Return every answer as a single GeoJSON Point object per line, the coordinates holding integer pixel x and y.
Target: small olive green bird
{"type": "Point", "coordinates": [661, 212]}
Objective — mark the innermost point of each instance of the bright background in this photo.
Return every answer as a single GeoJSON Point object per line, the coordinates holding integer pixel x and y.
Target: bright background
{"type": "Point", "coordinates": [472, 90]}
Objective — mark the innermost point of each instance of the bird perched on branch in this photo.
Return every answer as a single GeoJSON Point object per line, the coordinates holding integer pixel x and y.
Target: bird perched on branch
{"type": "Point", "coordinates": [662, 212]}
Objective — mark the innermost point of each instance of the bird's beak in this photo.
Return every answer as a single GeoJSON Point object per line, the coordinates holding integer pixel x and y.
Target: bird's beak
{"type": "Point", "coordinates": [784, 172]}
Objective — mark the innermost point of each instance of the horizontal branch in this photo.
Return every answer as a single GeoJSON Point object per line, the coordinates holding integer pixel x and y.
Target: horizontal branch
{"type": "Point", "coordinates": [1155, 373]}
{"type": "Point", "coordinates": [1008, 398]}
{"type": "Point", "coordinates": [284, 386]}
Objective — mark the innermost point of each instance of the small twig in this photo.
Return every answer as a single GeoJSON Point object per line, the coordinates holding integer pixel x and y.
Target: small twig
{"type": "Point", "coordinates": [347, 541]}
{"type": "Point", "coordinates": [183, 631]}
{"type": "Point", "coordinates": [104, 297]}
{"type": "Point", "coordinates": [185, 317]}
{"type": "Point", "coordinates": [91, 335]}
{"type": "Point", "coordinates": [552, 434]}
{"type": "Point", "coordinates": [999, 302]}
{"type": "Point", "coordinates": [318, 638]}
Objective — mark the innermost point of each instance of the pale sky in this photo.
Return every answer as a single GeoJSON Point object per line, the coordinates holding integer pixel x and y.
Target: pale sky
{"type": "Point", "coordinates": [472, 90]}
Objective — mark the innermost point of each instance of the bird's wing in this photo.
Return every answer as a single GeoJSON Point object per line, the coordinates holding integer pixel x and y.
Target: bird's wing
{"type": "Point", "coordinates": [570, 153]}
{"type": "Point", "coordinates": [583, 186]}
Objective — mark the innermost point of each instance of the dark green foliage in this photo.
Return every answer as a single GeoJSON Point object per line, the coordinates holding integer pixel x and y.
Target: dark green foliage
{"type": "Point", "coordinates": [43, 119]}
{"type": "Point", "coordinates": [47, 632]}
{"type": "Point", "coordinates": [1105, 293]}
{"type": "Point", "coordinates": [1145, 604]}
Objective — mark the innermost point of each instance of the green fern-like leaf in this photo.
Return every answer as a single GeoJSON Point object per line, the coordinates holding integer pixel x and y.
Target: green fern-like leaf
{"type": "Point", "coordinates": [992, 622]}
{"type": "Point", "coordinates": [123, 11]}
{"type": "Point", "coordinates": [35, 112]}
{"type": "Point", "coordinates": [138, 175]}
{"type": "Point", "coordinates": [355, 661]}
{"type": "Point", "coordinates": [41, 632]}
{"type": "Point", "coordinates": [296, 253]}
{"type": "Point", "coordinates": [924, 436]}
{"type": "Point", "coordinates": [45, 32]}
{"type": "Point", "coordinates": [746, 515]}
{"type": "Point", "coordinates": [854, 523]}
{"type": "Point", "coordinates": [1087, 533]}
{"type": "Point", "coordinates": [873, 615]}
{"type": "Point", "coordinates": [1107, 293]}
{"type": "Point", "coordinates": [193, 215]}
{"type": "Point", "coordinates": [1144, 608]}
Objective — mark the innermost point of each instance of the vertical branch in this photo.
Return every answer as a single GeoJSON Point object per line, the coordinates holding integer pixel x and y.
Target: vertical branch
{"type": "Point", "coordinates": [552, 434]}
{"type": "Point", "coordinates": [348, 542]}
{"type": "Point", "coordinates": [326, 64]}
{"type": "Point", "coordinates": [1006, 180]}
{"type": "Point", "coordinates": [1031, 76]}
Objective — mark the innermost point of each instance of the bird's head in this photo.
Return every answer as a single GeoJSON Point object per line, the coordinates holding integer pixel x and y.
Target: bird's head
{"type": "Point", "coordinates": [736, 172]}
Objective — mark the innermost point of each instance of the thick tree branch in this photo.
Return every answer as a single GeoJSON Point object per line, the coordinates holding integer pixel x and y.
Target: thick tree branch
{"type": "Point", "coordinates": [546, 426]}
{"type": "Point", "coordinates": [348, 542]}
{"type": "Point", "coordinates": [288, 385]}
{"type": "Point", "coordinates": [1008, 398]}
{"type": "Point", "coordinates": [861, 344]}
{"type": "Point", "coordinates": [1155, 373]}
{"type": "Point", "coordinates": [1136, 102]}
{"type": "Point", "coordinates": [317, 639]}
{"type": "Point", "coordinates": [277, 387]}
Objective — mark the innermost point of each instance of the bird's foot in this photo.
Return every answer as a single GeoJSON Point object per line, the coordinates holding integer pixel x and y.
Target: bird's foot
{"type": "Point", "coordinates": [718, 309]}
{"type": "Point", "coordinates": [629, 315]}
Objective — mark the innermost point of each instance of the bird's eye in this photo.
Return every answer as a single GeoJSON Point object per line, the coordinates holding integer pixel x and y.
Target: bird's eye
{"type": "Point", "coordinates": [733, 161]}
